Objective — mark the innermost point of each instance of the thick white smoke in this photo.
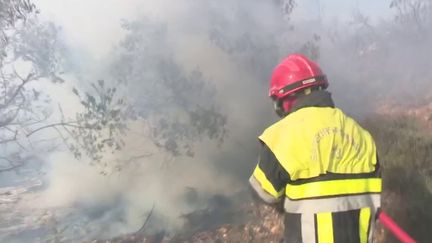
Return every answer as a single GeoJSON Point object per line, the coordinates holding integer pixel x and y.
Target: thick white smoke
{"type": "Point", "coordinates": [234, 44]}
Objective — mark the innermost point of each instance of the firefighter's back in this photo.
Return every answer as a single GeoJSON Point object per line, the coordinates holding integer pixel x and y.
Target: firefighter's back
{"type": "Point", "coordinates": [334, 188]}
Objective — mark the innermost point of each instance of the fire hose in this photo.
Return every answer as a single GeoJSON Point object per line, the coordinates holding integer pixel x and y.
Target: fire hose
{"type": "Point", "coordinates": [395, 229]}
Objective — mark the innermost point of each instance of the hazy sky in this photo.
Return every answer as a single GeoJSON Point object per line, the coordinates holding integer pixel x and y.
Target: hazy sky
{"type": "Point", "coordinates": [95, 26]}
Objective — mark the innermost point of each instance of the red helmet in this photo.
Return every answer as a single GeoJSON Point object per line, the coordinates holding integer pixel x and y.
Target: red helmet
{"type": "Point", "coordinates": [296, 72]}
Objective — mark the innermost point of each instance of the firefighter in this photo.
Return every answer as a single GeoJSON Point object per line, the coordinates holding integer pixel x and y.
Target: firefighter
{"type": "Point", "coordinates": [316, 161]}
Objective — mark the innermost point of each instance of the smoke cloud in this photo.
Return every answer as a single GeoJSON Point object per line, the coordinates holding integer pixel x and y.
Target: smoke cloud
{"type": "Point", "coordinates": [234, 45]}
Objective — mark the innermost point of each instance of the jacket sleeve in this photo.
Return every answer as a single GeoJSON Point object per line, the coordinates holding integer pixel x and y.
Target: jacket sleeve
{"type": "Point", "coordinates": [269, 177]}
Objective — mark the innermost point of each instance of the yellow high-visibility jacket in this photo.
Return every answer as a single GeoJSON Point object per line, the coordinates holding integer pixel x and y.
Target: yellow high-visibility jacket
{"type": "Point", "coordinates": [324, 166]}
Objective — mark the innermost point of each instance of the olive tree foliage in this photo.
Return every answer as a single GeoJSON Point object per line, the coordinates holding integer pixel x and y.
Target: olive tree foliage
{"type": "Point", "coordinates": [99, 127]}
{"type": "Point", "coordinates": [256, 34]}
{"type": "Point", "coordinates": [30, 58]}
{"type": "Point", "coordinates": [17, 111]}
{"type": "Point", "coordinates": [11, 12]}
{"type": "Point", "coordinates": [177, 106]}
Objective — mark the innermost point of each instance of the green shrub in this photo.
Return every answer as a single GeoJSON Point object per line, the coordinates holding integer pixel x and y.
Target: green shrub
{"type": "Point", "coordinates": [405, 153]}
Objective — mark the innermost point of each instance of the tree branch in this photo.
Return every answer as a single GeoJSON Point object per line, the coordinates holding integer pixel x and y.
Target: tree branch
{"type": "Point", "coordinates": [10, 168]}
{"type": "Point", "coordinates": [64, 124]}
{"type": "Point", "coordinates": [143, 227]}
{"type": "Point", "coordinates": [18, 89]}
{"type": "Point", "coordinates": [14, 138]}
{"type": "Point", "coordinates": [12, 164]}
{"type": "Point", "coordinates": [10, 119]}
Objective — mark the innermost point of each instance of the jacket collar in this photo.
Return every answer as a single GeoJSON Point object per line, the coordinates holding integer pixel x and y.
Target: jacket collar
{"type": "Point", "coordinates": [318, 98]}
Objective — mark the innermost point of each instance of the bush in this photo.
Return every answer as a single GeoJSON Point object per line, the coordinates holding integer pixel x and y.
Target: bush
{"type": "Point", "coordinates": [405, 153]}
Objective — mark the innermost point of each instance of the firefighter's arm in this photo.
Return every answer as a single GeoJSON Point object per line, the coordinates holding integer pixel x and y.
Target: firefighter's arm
{"type": "Point", "coordinates": [269, 177]}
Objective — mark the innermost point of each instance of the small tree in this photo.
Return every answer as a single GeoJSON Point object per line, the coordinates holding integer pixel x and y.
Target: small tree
{"type": "Point", "coordinates": [31, 56]}
{"type": "Point", "coordinates": [176, 106]}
